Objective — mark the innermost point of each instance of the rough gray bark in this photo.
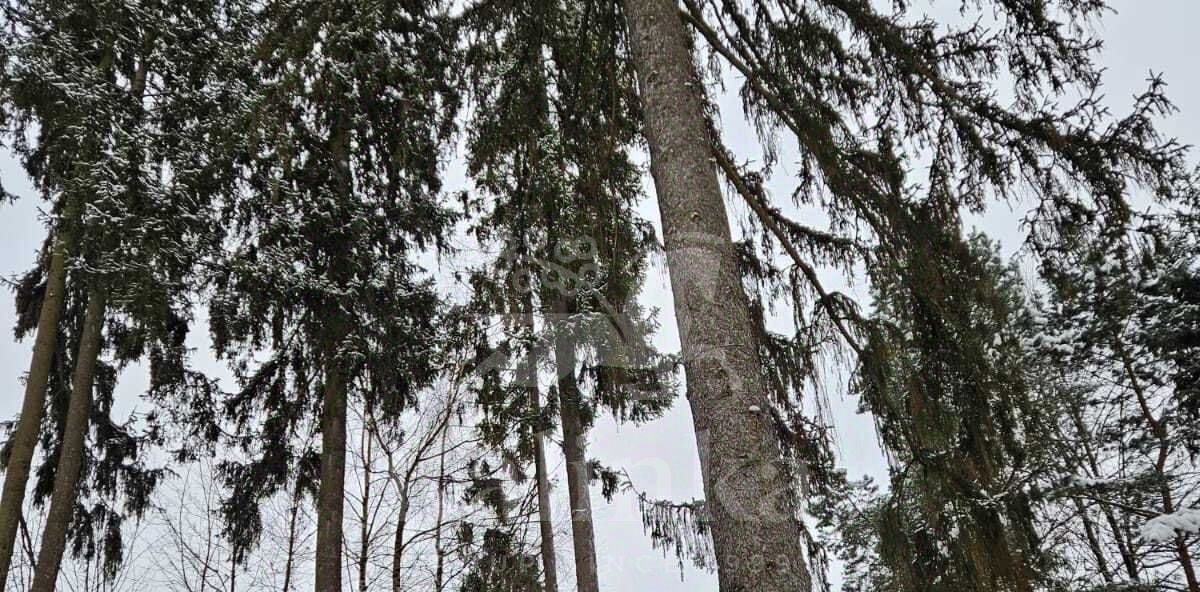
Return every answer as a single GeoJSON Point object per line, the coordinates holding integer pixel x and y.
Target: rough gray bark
{"type": "Point", "coordinates": [70, 459]}
{"type": "Point", "coordinates": [583, 532]}
{"type": "Point", "coordinates": [749, 497]}
{"type": "Point", "coordinates": [331, 498]}
{"type": "Point", "coordinates": [24, 440]}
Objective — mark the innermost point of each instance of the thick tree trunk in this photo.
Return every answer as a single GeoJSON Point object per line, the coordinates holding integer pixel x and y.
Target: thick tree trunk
{"type": "Point", "coordinates": [332, 495]}
{"type": "Point", "coordinates": [756, 533]}
{"type": "Point", "coordinates": [583, 533]}
{"type": "Point", "coordinates": [70, 460]}
{"type": "Point", "coordinates": [331, 502]}
{"type": "Point", "coordinates": [24, 441]}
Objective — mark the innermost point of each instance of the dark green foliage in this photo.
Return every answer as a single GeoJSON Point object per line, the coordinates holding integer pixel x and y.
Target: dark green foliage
{"type": "Point", "coordinates": [109, 112]}
{"type": "Point", "coordinates": [292, 151]}
{"type": "Point", "coordinates": [549, 152]}
{"type": "Point", "coordinates": [501, 566]}
{"type": "Point", "coordinates": [339, 153]}
{"type": "Point", "coordinates": [873, 95]}
{"type": "Point", "coordinates": [486, 488]}
{"type": "Point", "coordinates": [943, 376]}
{"type": "Point", "coordinates": [849, 517]}
{"type": "Point", "coordinates": [1117, 329]}
{"type": "Point", "coordinates": [1169, 318]}
{"type": "Point", "coordinates": [865, 91]}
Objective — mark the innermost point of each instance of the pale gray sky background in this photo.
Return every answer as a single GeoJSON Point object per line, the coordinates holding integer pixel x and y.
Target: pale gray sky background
{"type": "Point", "coordinates": [1144, 36]}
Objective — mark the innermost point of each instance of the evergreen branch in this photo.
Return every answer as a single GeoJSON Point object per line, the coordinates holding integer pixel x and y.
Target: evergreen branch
{"type": "Point", "coordinates": [753, 197]}
{"type": "Point", "coordinates": [679, 525]}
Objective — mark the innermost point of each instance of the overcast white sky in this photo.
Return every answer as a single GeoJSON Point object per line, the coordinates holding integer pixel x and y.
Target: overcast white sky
{"type": "Point", "coordinates": [1145, 35]}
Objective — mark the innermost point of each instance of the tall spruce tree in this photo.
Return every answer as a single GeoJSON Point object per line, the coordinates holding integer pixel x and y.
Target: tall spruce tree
{"type": "Point", "coordinates": [549, 151]}
{"type": "Point", "coordinates": [340, 153]}
{"type": "Point", "coordinates": [865, 92]}
{"type": "Point", "coordinates": [113, 102]}
{"type": "Point", "coordinates": [19, 451]}
{"type": "Point", "coordinates": [1055, 461]}
{"type": "Point", "coordinates": [756, 532]}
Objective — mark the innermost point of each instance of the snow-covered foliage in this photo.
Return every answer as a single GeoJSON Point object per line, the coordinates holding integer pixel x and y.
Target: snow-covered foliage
{"type": "Point", "coordinates": [1165, 527]}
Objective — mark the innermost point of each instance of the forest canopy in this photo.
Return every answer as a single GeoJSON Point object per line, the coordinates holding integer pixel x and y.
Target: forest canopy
{"type": "Point", "coordinates": [353, 295]}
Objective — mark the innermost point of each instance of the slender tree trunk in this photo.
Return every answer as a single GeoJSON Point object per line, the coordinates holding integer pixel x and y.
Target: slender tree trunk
{"type": "Point", "coordinates": [750, 504]}
{"type": "Point", "coordinates": [575, 452]}
{"type": "Point", "coordinates": [1089, 530]}
{"type": "Point", "coordinates": [70, 460]}
{"type": "Point", "coordinates": [331, 502]}
{"type": "Point", "coordinates": [529, 379]}
{"type": "Point", "coordinates": [1084, 437]}
{"type": "Point", "coordinates": [1185, 559]}
{"type": "Point", "coordinates": [365, 530]}
{"type": "Point", "coordinates": [233, 565]}
{"type": "Point", "coordinates": [1158, 429]}
{"type": "Point", "coordinates": [24, 441]}
{"type": "Point", "coordinates": [405, 484]}
{"type": "Point", "coordinates": [27, 543]}
{"type": "Point", "coordinates": [439, 581]}
{"type": "Point", "coordinates": [546, 522]}
{"type": "Point", "coordinates": [398, 547]}
{"type": "Point", "coordinates": [290, 565]}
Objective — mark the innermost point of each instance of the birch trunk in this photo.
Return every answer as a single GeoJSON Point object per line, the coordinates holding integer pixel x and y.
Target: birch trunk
{"type": "Point", "coordinates": [750, 505]}
{"type": "Point", "coordinates": [24, 441]}
{"type": "Point", "coordinates": [70, 460]}
{"type": "Point", "coordinates": [439, 581]}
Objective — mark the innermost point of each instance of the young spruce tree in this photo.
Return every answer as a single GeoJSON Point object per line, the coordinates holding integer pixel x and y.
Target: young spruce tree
{"type": "Point", "coordinates": [865, 92]}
